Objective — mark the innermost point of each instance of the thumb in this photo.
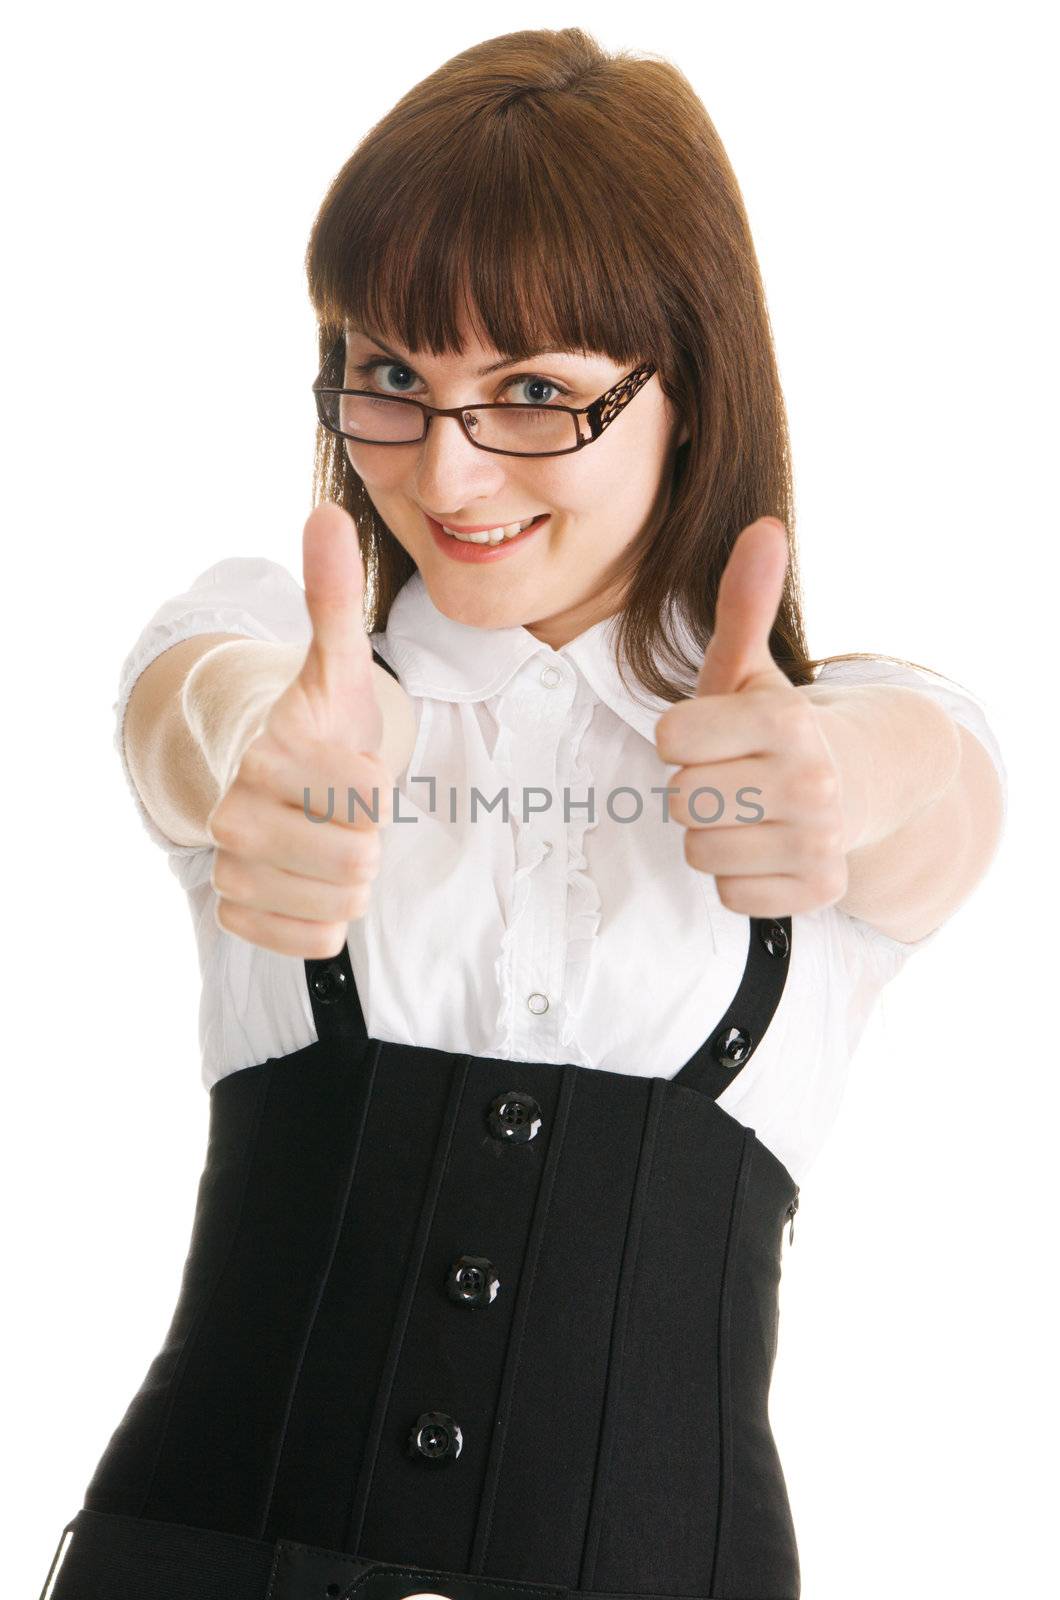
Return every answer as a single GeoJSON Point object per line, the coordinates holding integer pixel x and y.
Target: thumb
{"type": "Point", "coordinates": [338, 663]}
{"type": "Point", "coordinates": [749, 596]}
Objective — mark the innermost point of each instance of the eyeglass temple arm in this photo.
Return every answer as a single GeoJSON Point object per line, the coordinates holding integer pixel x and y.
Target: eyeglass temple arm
{"type": "Point", "coordinates": [607, 408]}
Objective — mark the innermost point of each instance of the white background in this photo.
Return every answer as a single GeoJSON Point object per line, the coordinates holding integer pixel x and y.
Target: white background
{"type": "Point", "coordinates": [164, 166]}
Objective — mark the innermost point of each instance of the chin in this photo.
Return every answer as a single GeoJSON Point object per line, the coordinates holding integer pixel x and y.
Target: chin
{"type": "Point", "coordinates": [459, 601]}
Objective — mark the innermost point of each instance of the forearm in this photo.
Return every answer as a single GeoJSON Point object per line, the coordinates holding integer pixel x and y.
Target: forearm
{"type": "Point", "coordinates": [191, 715]}
{"type": "Point", "coordinates": [897, 752]}
{"type": "Point", "coordinates": [229, 692]}
{"type": "Point", "coordinates": [922, 803]}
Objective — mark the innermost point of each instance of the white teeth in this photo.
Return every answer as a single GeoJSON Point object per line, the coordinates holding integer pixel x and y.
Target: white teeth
{"type": "Point", "coordinates": [491, 535]}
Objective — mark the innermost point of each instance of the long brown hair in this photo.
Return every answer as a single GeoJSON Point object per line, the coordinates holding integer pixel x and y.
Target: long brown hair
{"type": "Point", "coordinates": [577, 200]}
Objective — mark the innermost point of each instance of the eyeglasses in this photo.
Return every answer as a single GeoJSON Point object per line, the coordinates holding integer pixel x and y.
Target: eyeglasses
{"type": "Point", "coordinates": [503, 429]}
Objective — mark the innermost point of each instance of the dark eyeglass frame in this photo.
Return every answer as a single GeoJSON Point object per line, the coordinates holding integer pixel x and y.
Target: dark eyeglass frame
{"type": "Point", "coordinates": [599, 415]}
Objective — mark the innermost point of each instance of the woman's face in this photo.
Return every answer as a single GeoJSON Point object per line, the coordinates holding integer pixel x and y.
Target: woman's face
{"type": "Point", "coordinates": [562, 578]}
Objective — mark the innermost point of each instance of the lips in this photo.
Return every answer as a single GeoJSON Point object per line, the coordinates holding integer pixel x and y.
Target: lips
{"type": "Point", "coordinates": [484, 550]}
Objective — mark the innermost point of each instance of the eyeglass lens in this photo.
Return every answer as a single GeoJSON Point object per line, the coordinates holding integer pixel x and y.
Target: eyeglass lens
{"type": "Point", "coordinates": [519, 429]}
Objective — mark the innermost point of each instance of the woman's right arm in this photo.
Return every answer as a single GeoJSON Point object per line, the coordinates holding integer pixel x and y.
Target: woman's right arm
{"type": "Point", "coordinates": [185, 730]}
{"type": "Point", "coordinates": [281, 756]}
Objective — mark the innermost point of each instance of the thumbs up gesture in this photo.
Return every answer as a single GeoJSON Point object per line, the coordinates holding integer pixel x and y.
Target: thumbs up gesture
{"type": "Point", "coordinates": [757, 745]}
{"type": "Point", "coordinates": [288, 880]}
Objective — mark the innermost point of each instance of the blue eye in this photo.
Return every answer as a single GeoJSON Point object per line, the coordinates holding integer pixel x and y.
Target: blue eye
{"type": "Point", "coordinates": [539, 400]}
{"type": "Point", "coordinates": [367, 369]}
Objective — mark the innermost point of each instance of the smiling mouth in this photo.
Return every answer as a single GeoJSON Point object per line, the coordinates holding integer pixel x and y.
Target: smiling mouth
{"type": "Point", "coordinates": [496, 535]}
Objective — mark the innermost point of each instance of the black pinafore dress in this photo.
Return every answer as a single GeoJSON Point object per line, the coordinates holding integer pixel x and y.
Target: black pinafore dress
{"type": "Point", "coordinates": [462, 1326]}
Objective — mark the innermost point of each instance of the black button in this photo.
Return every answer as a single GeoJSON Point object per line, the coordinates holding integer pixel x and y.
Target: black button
{"type": "Point", "coordinates": [472, 1281]}
{"type": "Point", "coordinates": [732, 1047]}
{"type": "Point", "coordinates": [328, 981]}
{"type": "Point", "coordinates": [514, 1117]}
{"type": "Point", "coordinates": [435, 1439]}
{"type": "Point", "coordinates": [775, 938]}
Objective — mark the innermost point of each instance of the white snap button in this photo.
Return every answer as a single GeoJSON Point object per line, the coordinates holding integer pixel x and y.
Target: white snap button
{"type": "Point", "coordinates": [538, 1003]}
{"type": "Point", "coordinates": [550, 677]}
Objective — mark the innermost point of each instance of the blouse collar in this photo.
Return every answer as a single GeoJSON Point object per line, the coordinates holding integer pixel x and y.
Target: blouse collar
{"type": "Point", "coordinates": [440, 659]}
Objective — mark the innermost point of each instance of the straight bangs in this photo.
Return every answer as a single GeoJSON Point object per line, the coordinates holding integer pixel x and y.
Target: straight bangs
{"type": "Point", "coordinates": [499, 217]}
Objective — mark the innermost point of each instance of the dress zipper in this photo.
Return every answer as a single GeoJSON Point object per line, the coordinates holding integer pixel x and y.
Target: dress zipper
{"type": "Point", "coordinates": [793, 1207]}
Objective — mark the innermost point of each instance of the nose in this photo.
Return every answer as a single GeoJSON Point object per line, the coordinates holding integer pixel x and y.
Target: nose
{"type": "Point", "coordinates": [451, 472]}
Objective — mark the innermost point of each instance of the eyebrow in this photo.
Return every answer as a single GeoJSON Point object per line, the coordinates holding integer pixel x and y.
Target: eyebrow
{"type": "Point", "coordinates": [483, 372]}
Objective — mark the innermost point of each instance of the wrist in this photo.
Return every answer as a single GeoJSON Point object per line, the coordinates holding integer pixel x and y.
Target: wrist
{"type": "Point", "coordinates": [897, 751]}
{"type": "Point", "coordinates": [842, 739]}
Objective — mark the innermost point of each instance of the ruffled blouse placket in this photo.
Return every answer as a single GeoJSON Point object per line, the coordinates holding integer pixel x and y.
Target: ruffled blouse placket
{"type": "Point", "coordinates": [553, 909]}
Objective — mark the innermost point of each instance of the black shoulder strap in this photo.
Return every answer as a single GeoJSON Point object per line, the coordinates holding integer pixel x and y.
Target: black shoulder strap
{"type": "Point", "coordinates": [376, 657]}
{"type": "Point", "coordinates": [330, 981]}
{"type": "Point", "coordinates": [733, 1042]}
{"type": "Point", "coordinates": [336, 1004]}
{"type": "Point", "coordinates": [332, 992]}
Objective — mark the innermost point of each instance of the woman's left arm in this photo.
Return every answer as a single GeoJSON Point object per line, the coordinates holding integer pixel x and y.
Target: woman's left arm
{"type": "Point", "coordinates": [871, 796]}
{"type": "Point", "coordinates": [921, 800]}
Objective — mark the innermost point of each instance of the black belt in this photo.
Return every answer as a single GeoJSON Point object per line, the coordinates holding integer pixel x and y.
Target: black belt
{"type": "Point", "coordinates": [105, 1557]}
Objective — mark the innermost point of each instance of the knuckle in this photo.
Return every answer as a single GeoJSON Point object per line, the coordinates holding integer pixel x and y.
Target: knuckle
{"type": "Point", "coordinates": [362, 903]}
{"type": "Point", "coordinates": [258, 765]}
{"type": "Point", "coordinates": [228, 916]}
{"type": "Point", "coordinates": [325, 939]}
{"type": "Point", "coordinates": [816, 784]}
{"type": "Point", "coordinates": [781, 718]}
{"type": "Point", "coordinates": [730, 897]}
{"type": "Point", "coordinates": [821, 846]}
{"type": "Point", "coordinates": [369, 852]}
{"type": "Point", "coordinates": [360, 856]}
{"type": "Point", "coordinates": [698, 852]}
{"type": "Point", "coordinates": [363, 875]}
{"type": "Point", "coordinates": [371, 783]}
{"type": "Point", "coordinates": [665, 729]}
{"type": "Point", "coordinates": [227, 876]}
{"type": "Point", "coordinates": [802, 717]}
{"type": "Point", "coordinates": [355, 901]}
{"type": "Point", "coordinates": [831, 883]}
{"type": "Point", "coordinates": [229, 825]}
{"type": "Point", "coordinates": [374, 766]}
{"type": "Point", "coordinates": [833, 842]}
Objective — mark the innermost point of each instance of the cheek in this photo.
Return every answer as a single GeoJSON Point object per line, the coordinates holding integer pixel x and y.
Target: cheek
{"type": "Point", "coordinates": [619, 472]}
{"type": "Point", "coordinates": [581, 483]}
{"type": "Point", "coordinates": [379, 469]}
{"type": "Point", "coordinates": [642, 458]}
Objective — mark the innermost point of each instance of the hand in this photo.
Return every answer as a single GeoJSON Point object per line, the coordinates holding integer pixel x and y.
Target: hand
{"type": "Point", "coordinates": [747, 727]}
{"type": "Point", "coordinates": [284, 881]}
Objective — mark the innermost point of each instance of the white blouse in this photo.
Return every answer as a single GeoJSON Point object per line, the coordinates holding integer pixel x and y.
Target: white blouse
{"type": "Point", "coordinates": [555, 933]}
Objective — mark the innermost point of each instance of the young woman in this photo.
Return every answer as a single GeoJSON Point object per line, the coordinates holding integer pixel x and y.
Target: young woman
{"type": "Point", "coordinates": [542, 884]}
